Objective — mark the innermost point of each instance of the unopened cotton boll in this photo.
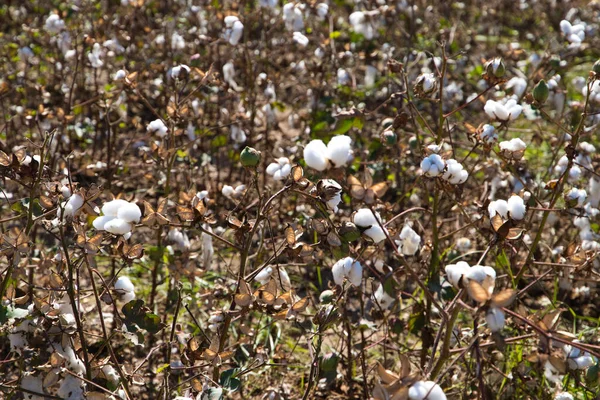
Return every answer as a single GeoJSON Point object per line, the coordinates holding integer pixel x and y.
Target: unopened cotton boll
{"type": "Point", "coordinates": [300, 39]}
{"type": "Point", "coordinates": [495, 319]}
{"type": "Point", "coordinates": [426, 390]}
{"type": "Point", "coordinates": [339, 150]}
{"type": "Point", "coordinates": [347, 268]}
{"type": "Point", "coordinates": [516, 207]}
{"type": "Point", "coordinates": [157, 126]}
{"type": "Point", "coordinates": [433, 165]}
{"type": "Point", "coordinates": [315, 155]}
{"type": "Point", "coordinates": [503, 112]}
{"type": "Point", "coordinates": [280, 169]}
{"type": "Point", "coordinates": [455, 174]}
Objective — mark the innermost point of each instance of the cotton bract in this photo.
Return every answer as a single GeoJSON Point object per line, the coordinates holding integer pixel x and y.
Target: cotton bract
{"type": "Point", "coordinates": [426, 390]}
{"type": "Point", "coordinates": [280, 169]}
{"type": "Point", "coordinates": [503, 112]}
{"type": "Point", "coordinates": [347, 268]}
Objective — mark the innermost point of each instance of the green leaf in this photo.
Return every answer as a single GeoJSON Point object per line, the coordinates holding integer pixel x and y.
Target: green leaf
{"type": "Point", "coordinates": [229, 380]}
{"type": "Point", "coordinates": [343, 126]}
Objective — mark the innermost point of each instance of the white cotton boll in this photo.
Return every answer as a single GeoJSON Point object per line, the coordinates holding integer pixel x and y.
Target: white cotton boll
{"type": "Point", "coordinates": [54, 23]}
{"type": "Point", "coordinates": [99, 222]}
{"type": "Point", "coordinates": [117, 226]}
{"type": "Point", "coordinates": [432, 165]}
{"type": "Point", "coordinates": [124, 285]}
{"type": "Point", "coordinates": [207, 248]}
{"type": "Point", "coordinates": [479, 273]}
{"type": "Point", "coordinates": [227, 191]}
{"type": "Point", "coordinates": [518, 85]}
{"type": "Point", "coordinates": [488, 134]}
{"type": "Point", "coordinates": [463, 244]}
{"type": "Point", "coordinates": [65, 191]}
{"type": "Point", "coordinates": [322, 10]}
{"type": "Point", "coordinates": [71, 388]}
{"type": "Point", "coordinates": [577, 194]}
{"type": "Point", "coordinates": [239, 190]}
{"type": "Point", "coordinates": [594, 191]}
{"type": "Point", "coordinates": [236, 33]}
{"type": "Point", "coordinates": [177, 41]}
{"type": "Point", "coordinates": [347, 268]}
{"type": "Point", "coordinates": [563, 396]}
{"type": "Point", "coordinates": [383, 299]}
{"type": "Point", "coordinates": [94, 56]}
{"type": "Point", "coordinates": [365, 218]}
{"type": "Point", "coordinates": [111, 208]}
{"type": "Point", "coordinates": [120, 75]}
{"type": "Point", "coordinates": [495, 319]}
{"type": "Point", "coordinates": [585, 361]}
{"type": "Point", "coordinates": [499, 207]}
{"type": "Point", "coordinates": [371, 73]}
{"type": "Point", "coordinates": [238, 135]}
{"type": "Point", "coordinates": [409, 241]}
{"type": "Point", "coordinates": [516, 207]}
{"type": "Point", "coordinates": [176, 71]}
{"type": "Point", "coordinates": [426, 390]}
{"type": "Point", "coordinates": [300, 39]}
{"type": "Point", "coordinates": [329, 185]}
{"type": "Point", "coordinates": [343, 77]}
{"type": "Point", "coordinates": [180, 239]}
{"type": "Point", "coordinates": [503, 112]}
{"type": "Point", "coordinates": [513, 145]}
{"type": "Point", "coordinates": [339, 150]}
{"type": "Point", "coordinates": [264, 276]}
{"type": "Point", "coordinates": [455, 272]}
{"type": "Point", "coordinates": [315, 155]}
{"type": "Point", "coordinates": [129, 212]}
{"type": "Point", "coordinates": [268, 3]}
{"type": "Point", "coordinates": [376, 233]}
{"type": "Point", "coordinates": [157, 126]}
{"type": "Point", "coordinates": [455, 173]}
{"type": "Point", "coordinates": [73, 205]}
{"type": "Point", "coordinates": [111, 374]}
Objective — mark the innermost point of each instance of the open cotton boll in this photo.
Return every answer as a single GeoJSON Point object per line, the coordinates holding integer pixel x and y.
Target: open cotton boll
{"type": "Point", "coordinates": [334, 193]}
{"type": "Point", "coordinates": [513, 145]}
{"type": "Point", "coordinates": [376, 233]}
{"type": "Point", "coordinates": [71, 388]}
{"type": "Point", "coordinates": [455, 173]}
{"type": "Point", "coordinates": [347, 268]}
{"type": "Point", "coordinates": [117, 226]}
{"type": "Point", "coordinates": [157, 126]}
{"type": "Point", "coordinates": [227, 191]}
{"type": "Point", "coordinates": [34, 384]}
{"type": "Point", "coordinates": [578, 195]}
{"type": "Point", "coordinates": [129, 212]}
{"type": "Point", "coordinates": [433, 165]}
{"type": "Point", "coordinates": [111, 208]}
{"type": "Point", "coordinates": [180, 239]}
{"type": "Point", "coordinates": [426, 390]}
{"type": "Point", "coordinates": [383, 299]}
{"type": "Point", "coordinates": [300, 39]}
{"type": "Point", "coordinates": [315, 155]}
{"type": "Point", "coordinates": [495, 319]}
{"type": "Point", "coordinates": [480, 273]}
{"type": "Point", "coordinates": [455, 272]}
{"type": "Point", "coordinates": [71, 207]}
{"type": "Point", "coordinates": [111, 374]}
{"type": "Point", "coordinates": [498, 207]}
{"type": "Point", "coordinates": [124, 285]}
{"type": "Point", "coordinates": [280, 169]}
{"type": "Point", "coordinates": [564, 396]}
{"type": "Point", "coordinates": [516, 207]}
{"type": "Point", "coordinates": [503, 112]}
{"type": "Point", "coordinates": [339, 150]}
{"type": "Point", "coordinates": [409, 241]}
{"type": "Point", "coordinates": [488, 134]}
{"type": "Point", "coordinates": [176, 71]}
{"type": "Point", "coordinates": [365, 218]}
{"type": "Point", "coordinates": [343, 77]}
{"type": "Point", "coordinates": [264, 276]}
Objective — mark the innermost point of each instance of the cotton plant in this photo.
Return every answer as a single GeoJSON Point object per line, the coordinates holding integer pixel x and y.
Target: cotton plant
{"type": "Point", "coordinates": [337, 153]}
{"type": "Point", "coordinates": [233, 30]}
{"type": "Point", "coordinates": [409, 241]}
{"type": "Point", "coordinates": [280, 169]}
{"type": "Point", "coordinates": [347, 268]}
{"type": "Point", "coordinates": [118, 217]}
{"type": "Point", "coordinates": [369, 223]}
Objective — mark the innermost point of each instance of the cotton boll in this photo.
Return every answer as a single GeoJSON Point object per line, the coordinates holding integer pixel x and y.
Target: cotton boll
{"type": "Point", "coordinates": [383, 299]}
{"type": "Point", "coordinates": [577, 195]}
{"type": "Point", "coordinates": [455, 272]}
{"type": "Point", "coordinates": [315, 155]}
{"type": "Point", "coordinates": [129, 212]}
{"type": "Point", "coordinates": [455, 173]}
{"type": "Point", "coordinates": [594, 191]}
{"type": "Point", "coordinates": [347, 268]}
{"type": "Point", "coordinates": [112, 207]}
{"type": "Point", "coordinates": [117, 226]}
{"type": "Point", "coordinates": [481, 273]}
{"type": "Point", "coordinates": [264, 276]}
{"type": "Point", "coordinates": [376, 233]}
{"type": "Point", "coordinates": [227, 191]}
{"type": "Point", "coordinates": [499, 207]}
{"type": "Point", "coordinates": [563, 396]}
{"type": "Point", "coordinates": [516, 207]}
{"type": "Point", "coordinates": [488, 134]}
{"type": "Point", "coordinates": [176, 71]}
{"type": "Point", "coordinates": [518, 85]}
{"type": "Point", "coordinates": [207, 248]}
{"type": "Point", "coordinates": [34, 384]}
{"type": "Point", "coordinates": [300, 39]}
{"type": "Point", "coordinates": [339, 150]}
{"type": "Point", "coordinates": [72, 206]}
{"type": "Point", "coordinates": [365, 218]}
{"type": "Point", "coordinates": [124, 285]}
{"type": "Point", "coordinates": [180, 239]}
{"type": "Point", "coordinates": [463, 244]}
{"type": "Point", "coordinates": [426, 390]}
{"type": "Point", "coordinates": [157, 126]}
{"type": "Point", "coordinates": [71, 388]}
{"type": "Point", "coordinates": [111, 374]}
{"type": "Point", "coordinates": [432, 165]}
{"type": "Point", "coordinates": [99, 222]}
{"type": "Point", "coordinates": [120, 75]}
{"type": "Point", "coordinates": [495, 319]}
{"type": "Point", "coordinates": [322, 10]}
{"type": "Point", "coordinates": [409, 241]}
{"type": "Point", "coordinates": [333, 192]}
{"type": "Point", "coordinates": [503, 112]}
{"type": "Point", "coordinates": [280, 169]}
{"type": "Point", "coordinates": [338, 272]}
{"type": "Point", "coordinates": [343, 77]}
